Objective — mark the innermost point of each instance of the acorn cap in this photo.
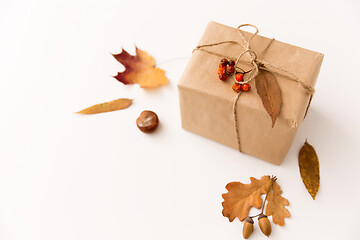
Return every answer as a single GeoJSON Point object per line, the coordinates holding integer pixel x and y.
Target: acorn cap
{"type": "Point", "coordinates": [249, 220]}
{"type": "Point", "coordinates": [262, 216]}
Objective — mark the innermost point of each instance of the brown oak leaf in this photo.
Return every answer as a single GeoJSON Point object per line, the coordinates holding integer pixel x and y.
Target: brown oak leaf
{"type": "Point", "coordinates": [269, 91]}
{"type": "Point", "coordinates": [118, 104]}
{"type": "Point", "coordinates": [276, 205]}
{"type": "Point", "coordinates": [241, 197]}
{"type": "Point", "coordinates": [140, 69]}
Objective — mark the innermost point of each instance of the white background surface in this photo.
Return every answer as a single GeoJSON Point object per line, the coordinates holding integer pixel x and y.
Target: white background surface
{"type": "Point", "coordinates": [66, 176]}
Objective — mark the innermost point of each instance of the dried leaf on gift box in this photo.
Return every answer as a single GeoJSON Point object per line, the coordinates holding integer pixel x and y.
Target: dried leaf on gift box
{"type": "Point", "coordinates": [118, 104]}
{"type": "Point", "coordinates": [276, 205]}
{"type": "Point", "coordinates": [309, 168]}
{"type": "Point", "coordinates": [269, 91]}
{"type": "Point", "coordinates": [240, 197]}
{"type": "Point", "coordinates": [140, 69]}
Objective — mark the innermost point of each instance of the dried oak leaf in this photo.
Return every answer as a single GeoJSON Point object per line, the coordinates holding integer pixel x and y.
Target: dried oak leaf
{"type": "Point", "coordinates": [118, 104]}
{"type": "Point", "coordinates": [276, 205]}
{"type": "Point", "coordinates": [309, 168]}
{"type": "Point", "coordinates": [269, 91]}
{"type": "Point", "coordinates": [140, 69]}
{"type": "Point", "coordinates": [241, 197]}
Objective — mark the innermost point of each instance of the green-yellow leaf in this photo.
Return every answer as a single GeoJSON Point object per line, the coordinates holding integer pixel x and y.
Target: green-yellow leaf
{"type": "Point", "coordinates": [115, 105]}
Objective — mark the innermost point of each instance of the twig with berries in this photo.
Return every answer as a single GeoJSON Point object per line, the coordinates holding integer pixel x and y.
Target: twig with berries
{"type": "Point", "coordinates": [226, 69]}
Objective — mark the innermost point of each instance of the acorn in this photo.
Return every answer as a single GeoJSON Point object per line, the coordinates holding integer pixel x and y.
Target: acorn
{"type": "Point", "coordinates": [264, 224]}
{"type": "Point", "coordinates": [248, 227]}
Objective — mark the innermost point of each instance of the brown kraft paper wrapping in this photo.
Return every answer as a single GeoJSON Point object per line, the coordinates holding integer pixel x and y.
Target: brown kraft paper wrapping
{"type": "Point", "coordinates": [206, 102]}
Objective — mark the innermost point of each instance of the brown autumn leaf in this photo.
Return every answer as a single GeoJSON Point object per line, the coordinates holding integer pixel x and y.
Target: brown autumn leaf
{"type": "Point", "coordinates": [309, 168]}
{"type": "Point", "coordinates": [240, 197]}
{"type": "Point", "coordinates": [118, 104]}
{"type": "Point", "coordinates": [269, 91]}
{"type": "Point", "coordinates": [276, 205]}
{"type": "Point", "coordinates": [140, 69]}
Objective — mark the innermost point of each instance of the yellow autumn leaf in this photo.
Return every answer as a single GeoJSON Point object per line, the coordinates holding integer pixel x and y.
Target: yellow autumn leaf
{"type": "Point", "coordinates": [118, 104]}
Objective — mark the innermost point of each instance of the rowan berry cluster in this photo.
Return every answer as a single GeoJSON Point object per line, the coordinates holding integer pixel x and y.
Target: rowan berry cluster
{"type": "Point", "coordinates": [226, 69]}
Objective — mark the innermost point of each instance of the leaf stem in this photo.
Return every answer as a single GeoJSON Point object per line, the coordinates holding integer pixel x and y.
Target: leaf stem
{"type": "Point", "coordinates": [273, 179]}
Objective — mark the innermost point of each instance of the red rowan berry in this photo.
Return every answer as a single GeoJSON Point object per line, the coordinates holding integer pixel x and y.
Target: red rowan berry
{"type": "Point", "coordinates": [224, 62]}
{"type": "Point", "coordinates": [236, 87]}
{"type": "Point", "coordinates": [246, 87]}
{"type": "Point", "coordinates": [230, 69]}
{"type": "Point", "coordinates": [239, 77]}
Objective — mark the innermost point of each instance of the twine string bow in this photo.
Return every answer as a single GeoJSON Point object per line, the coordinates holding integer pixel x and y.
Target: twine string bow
{"type": "Point", "coordinates": [256, 65]}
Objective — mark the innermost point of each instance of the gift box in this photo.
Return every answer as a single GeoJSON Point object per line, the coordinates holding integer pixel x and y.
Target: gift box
{"type": "Point", "coordinates": [207, 103]}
